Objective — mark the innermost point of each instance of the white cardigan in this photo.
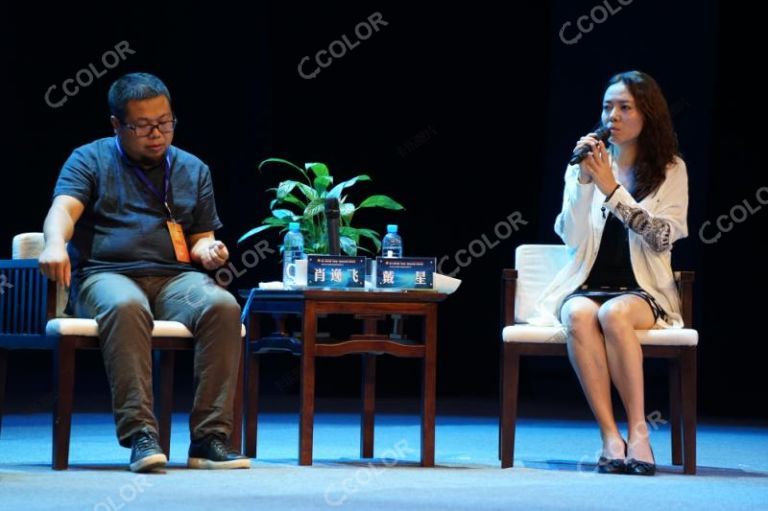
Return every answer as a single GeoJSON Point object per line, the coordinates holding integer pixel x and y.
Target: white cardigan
{"type": "Point", "coordinates": [654, 224]}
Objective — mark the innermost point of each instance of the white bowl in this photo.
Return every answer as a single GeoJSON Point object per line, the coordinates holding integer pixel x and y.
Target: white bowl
{"type": "Point", "coordinates": [445, 284]}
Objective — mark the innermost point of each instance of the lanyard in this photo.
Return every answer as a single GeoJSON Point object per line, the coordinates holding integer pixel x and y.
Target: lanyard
{"type": "Point", "coordinates": [143, 177]}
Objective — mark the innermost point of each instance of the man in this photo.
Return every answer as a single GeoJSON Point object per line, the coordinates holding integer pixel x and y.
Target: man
{"type": "Point", "coordinates": [139, 216]}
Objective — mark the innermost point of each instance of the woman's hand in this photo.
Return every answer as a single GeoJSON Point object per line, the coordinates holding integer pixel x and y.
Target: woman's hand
{"type": "Point", "coordinates": [589, 140]}
{"type": "Point", "coordinates": [597, 166]}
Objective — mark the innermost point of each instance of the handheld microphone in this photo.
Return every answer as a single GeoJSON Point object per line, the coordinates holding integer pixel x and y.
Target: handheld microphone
{"type": "Point", "coordinates": [332, 218]}
{"type": "Point", "coordinates": [602, 133]}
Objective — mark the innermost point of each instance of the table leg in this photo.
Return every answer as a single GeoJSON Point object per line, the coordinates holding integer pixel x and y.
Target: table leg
{"type": "Point", "coordinates": [252, 406]}
{"type": "Point", "coordinates": [429, 385]}
{"type": "Point", "coordinates": [369, 401]}
{"type": "Point", "coordinates": [251, 387]}
{"type": "Point", "coordinates": [309, 330]}
{"type": "Point", "coordinates": [236, 439]}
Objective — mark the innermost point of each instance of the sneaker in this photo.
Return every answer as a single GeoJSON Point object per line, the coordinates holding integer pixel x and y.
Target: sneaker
{"type": "Point", "coordinates": [212, 452]}
{"type": "Point", "coordinates": [146, 454]}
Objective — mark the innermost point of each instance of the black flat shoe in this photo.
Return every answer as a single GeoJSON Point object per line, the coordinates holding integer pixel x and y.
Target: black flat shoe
{"type": "Point", "coordinates": [641, 468]}
{"type": "Point", "coordinates": [612, 466]}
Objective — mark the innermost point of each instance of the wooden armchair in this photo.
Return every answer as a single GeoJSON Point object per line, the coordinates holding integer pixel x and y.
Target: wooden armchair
{"type": "Point", "coordinates": [536, 266]}
{"type": "Point", "coordinates": [31, 318]}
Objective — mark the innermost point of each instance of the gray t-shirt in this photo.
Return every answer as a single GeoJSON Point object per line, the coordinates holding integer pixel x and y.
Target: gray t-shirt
{"type": "Point", "coordinates": [123, 227]}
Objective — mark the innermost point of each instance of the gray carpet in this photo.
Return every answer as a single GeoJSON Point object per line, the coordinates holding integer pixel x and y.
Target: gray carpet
{"type": "Point", "coordinates": [554, 469]}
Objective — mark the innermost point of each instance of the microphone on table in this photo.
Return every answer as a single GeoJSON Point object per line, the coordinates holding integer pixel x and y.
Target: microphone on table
{"type": "Point", "coordinates": [332, 217]}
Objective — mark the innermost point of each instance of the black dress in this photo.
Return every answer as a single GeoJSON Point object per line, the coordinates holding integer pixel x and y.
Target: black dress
{"type": "Point", "coordinates": [612, 274]}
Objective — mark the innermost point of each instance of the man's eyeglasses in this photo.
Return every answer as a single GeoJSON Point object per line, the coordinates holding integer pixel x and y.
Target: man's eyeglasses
{"type": "Point", "coordinates": [143, 130]}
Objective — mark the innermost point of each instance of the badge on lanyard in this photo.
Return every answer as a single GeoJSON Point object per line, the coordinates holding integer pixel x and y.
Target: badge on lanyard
{"type": "Point", "coordinates": [179, 241]}
{"type": "Point", "coordinates": [174, 228]}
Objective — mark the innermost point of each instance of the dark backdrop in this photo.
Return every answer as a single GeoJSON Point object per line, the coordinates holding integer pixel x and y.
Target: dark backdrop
{"type": "Point", "coordinates": [465, 114]}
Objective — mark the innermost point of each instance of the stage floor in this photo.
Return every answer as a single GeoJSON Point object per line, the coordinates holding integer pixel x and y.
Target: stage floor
{"type": "Point", "coordinates": [554, 469]}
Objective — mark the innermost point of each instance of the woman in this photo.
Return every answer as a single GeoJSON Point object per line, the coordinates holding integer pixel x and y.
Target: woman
{"type": "Point", "coordinates": [623, 207]}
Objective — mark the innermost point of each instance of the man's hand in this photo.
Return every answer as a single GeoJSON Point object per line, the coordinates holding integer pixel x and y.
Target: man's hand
{"type": "Point", "coordinates": [55, 264]}
{"type": "Point", "coordinates": [207, 251]}
{"type": "Point", "coordinates": [58, 228]}
{"type": "Point", "coordinates": [214, 255]}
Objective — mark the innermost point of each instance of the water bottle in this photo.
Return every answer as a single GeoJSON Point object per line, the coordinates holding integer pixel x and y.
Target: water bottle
{"type": "Point", "coordinates": [293, 249]}
{"type": "Point", "coordinates": [392, 244]}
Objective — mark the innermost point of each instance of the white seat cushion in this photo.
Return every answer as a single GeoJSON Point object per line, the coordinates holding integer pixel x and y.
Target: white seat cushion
{"type": "Point", "coordinates": [89, 328]}
{"type": "Point", "coordinates": [556, 335]}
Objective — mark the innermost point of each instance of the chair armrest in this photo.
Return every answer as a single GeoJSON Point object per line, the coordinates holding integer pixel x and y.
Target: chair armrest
{"type": "Point", "coordinates": [27, 300]}
{"type": "Point", "coordinates": [508, 290]}
{"type": "Point", "coordinates": [685, 288]}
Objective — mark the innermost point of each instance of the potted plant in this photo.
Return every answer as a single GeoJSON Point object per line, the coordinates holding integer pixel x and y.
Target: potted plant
{"type": "Point", "coordinates": [304, 202]}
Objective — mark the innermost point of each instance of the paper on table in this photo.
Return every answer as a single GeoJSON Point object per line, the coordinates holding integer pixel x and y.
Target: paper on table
{"type": "Point", "coordinates": [445, 284]}
{"type": "Point", "coordinates": [277, 284]}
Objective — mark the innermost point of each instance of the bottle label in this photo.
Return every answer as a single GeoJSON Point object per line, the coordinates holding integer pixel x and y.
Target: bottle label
{"type": "Point", "coordinates": [392, 246]}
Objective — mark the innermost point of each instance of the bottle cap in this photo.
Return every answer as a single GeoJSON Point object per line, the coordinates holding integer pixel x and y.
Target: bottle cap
{"type": "Point", "coordinates": [293, 226]}
{"type": "Point", "coordinates": [391, 228]}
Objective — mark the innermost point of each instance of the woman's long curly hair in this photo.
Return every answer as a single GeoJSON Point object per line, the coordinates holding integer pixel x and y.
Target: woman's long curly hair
{"type": "Point", "coordinates": [657, 142]}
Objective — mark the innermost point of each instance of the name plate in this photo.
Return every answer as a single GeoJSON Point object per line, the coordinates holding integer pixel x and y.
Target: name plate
{"type": "Point", "coordinates": [405, 272]}
{"type": "Point", "coordinates": [337, 272]}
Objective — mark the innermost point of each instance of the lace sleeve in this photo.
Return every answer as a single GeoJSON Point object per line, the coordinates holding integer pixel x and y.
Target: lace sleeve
{"type": "Point", "coordinates": [655, 231]}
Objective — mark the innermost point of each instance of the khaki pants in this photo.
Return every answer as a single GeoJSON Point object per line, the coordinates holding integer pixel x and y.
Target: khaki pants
{"type": "Point", "coordinates": [124, 308]}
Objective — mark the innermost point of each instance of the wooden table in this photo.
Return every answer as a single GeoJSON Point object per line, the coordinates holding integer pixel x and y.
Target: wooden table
{"type": "Point", "coordinates": [370, 307]}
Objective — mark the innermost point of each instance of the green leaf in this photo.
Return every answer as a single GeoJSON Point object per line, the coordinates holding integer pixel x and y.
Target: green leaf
{"type": "Point", "coordinates": [380, 201]}
{"type": "Point", "coordinates": [284, 162]}
{"type": "Point", "coordinates": [253, 231]}
{"type": "Point", "coordinates": [318, 169]}
{"type": "Point", "coordinates": [286, 187]}
{"type": "Point", "coordinates": [322, 183]}
{"type": "Point", "coordinates": [351, 232]}
{"type": "Point", "coordinates": [363, 249]}
{"type": "Point", "coordinates": [320, 247]}
{"type": "Point", "coordinates": [314, 208]}
{"type": "Point", "coordinates": [292, 199]}
{"type": "Point", "coordinates": [373, 236]}
{"type": "Point", "coordinates": [348, 245]}
{"type": "Point", "coordinates": [356, 233]}
{"type": "Point", "coordinates": [274, 221]}
{"type": "Point", "coordinates": [308, 191]}
{"type": "Point", "coordinates": [347, 210]}
{"type": "Point", "coordinates": [370, 233]}
{"type": "Point", "coordinates": [284, 213]}
{"type": "Point", "coordinates": [336, 190]}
